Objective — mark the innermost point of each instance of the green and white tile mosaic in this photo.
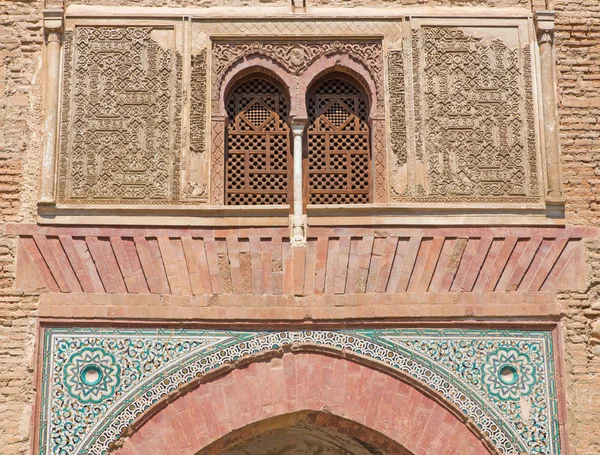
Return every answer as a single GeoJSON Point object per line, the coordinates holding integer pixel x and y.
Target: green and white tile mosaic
{"type": "Point", "coordinates": [97, 381]}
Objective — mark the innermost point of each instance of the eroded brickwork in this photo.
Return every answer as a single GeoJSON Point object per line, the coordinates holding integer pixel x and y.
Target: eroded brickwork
{"type": "Point", "coordinates": [578, 57]}
{"type": "Point", "coordinates": [582, 359]}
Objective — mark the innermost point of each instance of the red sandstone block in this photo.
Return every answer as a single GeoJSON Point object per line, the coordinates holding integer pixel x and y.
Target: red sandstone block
{"type": "Point", "coordinates": [321, 264]}
{"type": "Point", "coordinates": [64, 264]}
{"type": "Point", "coordinates": [256, 263]}
{"type": "Point", "coordinates": [419, 265]}
{"type": "Point", "coordinates": [30, 248]}
{"type": "Point", "coordinates": [443, 262]}
{"type": "Point", "coordinates": [127, 257]}
{"type": "Point", "coordinates": [486, 268]}
{"type": "Point", "coordinates": [210, 246]}
{"type": "Point", "coordinates": [287, 276]}
{"type": "Point", "coordinates": [289, 372]}
{"type": "Point", "coordinates": [508, 248]}
{"type": "Point", "coordinates": [465, 263]}
{"type": "Point", "coordinates": [375, 264]}
{"type": "Point", "coordinates": [412, 250]}
{"type": "Point", "coordinates": [396, 267]}
{"type": "Point", "coordinates": [175, 265]}
{"type": "Point", "coordinates": [481, 255]}
{"type": "Point", "coordinates": [234, 264]}
{"type": "Point", "coordinates": [197, 264]}
{"type": "Point", "coordinates": [266, 266]}
{"type": "Point", "coordinates": [82, 263]}
{"type": "Point", "coordinates": [58, 264]}
{"type": "Point", "coordinates": [330, 266]}
{"type": "Point", "coordinates": [151, 262]}
{"type": "Point", "coordinates": [559, 265]}
{"type": "Point", "coordinates": [341, 266]}
{"type": "Point", "coordinates": [310, 267]}
{"type": "Point", "coordinates": [106, 263]}
{"type": "Point", "coordinates": [353, 259]}
{"type": "Point", "coordinates": [430, 264]}
{"type": "Point", "coordinates": [277, 266]}
{"type": "Point", "coordinates": [510, 281]}
{"type": "Point", "coordinates": [432, 429]}
{"type": "Point", "coordinates": [299, 268]}
{"type": "Point", "coordinates": [547, 264]}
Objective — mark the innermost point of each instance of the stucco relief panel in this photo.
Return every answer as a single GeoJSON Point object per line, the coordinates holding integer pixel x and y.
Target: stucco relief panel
{"type": "Point", "coordinates": [295, 58]}
{"type": "Point", "coordinates": [462, 114]}
{"type": "Point", "coordinates": [459, 98]}
{"type": "Point", "coordinates": [121, 116]}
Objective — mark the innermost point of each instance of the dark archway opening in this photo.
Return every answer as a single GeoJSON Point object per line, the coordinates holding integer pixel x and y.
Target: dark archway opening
{"type": "Point", "coordinates": [302, 433]}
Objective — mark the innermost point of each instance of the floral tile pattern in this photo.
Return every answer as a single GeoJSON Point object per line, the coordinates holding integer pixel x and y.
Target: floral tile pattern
{"type": "Point", "coordinates": [97, 381]}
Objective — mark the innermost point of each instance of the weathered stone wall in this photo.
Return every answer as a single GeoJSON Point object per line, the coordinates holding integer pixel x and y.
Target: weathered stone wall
{"type": "Point", "coordinates": [21, 45]}
{"type": "Point", "coordinates": [578, 57]}
{"type": "Point", "coordinates": [21, 120]}
{"type": "Point", "coordinates": [582, 360]}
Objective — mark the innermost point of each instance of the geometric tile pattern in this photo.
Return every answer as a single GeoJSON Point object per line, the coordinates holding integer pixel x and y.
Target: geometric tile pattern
{"type": "Point", "coordinates": [337, 260]}
{"type": "Point", "coordinates": [97, 381]}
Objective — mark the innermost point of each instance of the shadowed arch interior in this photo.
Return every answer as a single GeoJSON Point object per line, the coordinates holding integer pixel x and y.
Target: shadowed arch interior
{"type": "Point", "coordinates": [303, 432]}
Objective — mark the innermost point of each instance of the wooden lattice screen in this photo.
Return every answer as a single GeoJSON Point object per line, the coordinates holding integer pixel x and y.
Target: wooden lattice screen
{"type": "Point", "coordinates": [258, 145]}
{"type": "Point", "coordinates": [339, 158]}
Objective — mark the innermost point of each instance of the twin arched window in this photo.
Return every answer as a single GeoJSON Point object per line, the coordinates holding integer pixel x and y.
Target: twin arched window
{"type": "Point", "coordinates": [337, 164]}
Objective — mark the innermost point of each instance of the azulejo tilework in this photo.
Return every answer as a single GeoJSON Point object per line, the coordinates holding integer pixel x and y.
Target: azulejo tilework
{"type": "Point", "coordinates": [91, 375]}
{"type": "Point", "coordinates": [509, 374]}
{"type": "Point", "coordinates": [97, 381]}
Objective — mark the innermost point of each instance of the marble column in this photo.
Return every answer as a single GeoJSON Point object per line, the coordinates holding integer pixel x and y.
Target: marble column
{"type": "Point", "coordinates": [53, 27]}
{"type": "Point", "coordinates": [298, 235]}
{"type": "Point", "coordinates": [545, 30]}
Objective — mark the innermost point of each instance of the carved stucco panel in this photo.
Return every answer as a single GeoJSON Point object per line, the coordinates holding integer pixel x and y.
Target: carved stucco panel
{"type": "Point", "coordinates": [295, 58]}
{"type": "Point", "coordinates": [196, 186]}
{"type": "Point", "coordinates": [470, 124]}
{"type": "Point", "coordinates": [121, 118]}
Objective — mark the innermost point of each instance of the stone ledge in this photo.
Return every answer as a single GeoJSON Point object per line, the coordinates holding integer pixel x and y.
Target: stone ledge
{"type": "Point", "coordinates": [80, 306]}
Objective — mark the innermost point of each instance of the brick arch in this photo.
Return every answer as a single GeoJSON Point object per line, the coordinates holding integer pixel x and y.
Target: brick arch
{"type": "Point", "coordinates": [258, 65]}
{"type": "Point", "coordinates": [343, 64]}
{"type": "Point", "coordinates": [419, 422]}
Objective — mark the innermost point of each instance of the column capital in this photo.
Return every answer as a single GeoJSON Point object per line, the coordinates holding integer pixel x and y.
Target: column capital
{"type": "Point", "coordinates": [298, 126]}
{"type": "Point", "coordinates": [53, 24]}
{"type": "Point", "coordinates": [544, 22]}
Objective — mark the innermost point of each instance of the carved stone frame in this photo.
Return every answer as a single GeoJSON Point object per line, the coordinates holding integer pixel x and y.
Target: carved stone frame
{"type": "Point", "coordinates": [201, 139]}
{"type": "Point", "coordinates": [296, 63]}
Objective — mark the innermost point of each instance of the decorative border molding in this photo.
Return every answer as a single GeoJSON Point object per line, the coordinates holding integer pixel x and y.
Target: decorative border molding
{"type": "Point", "coordinates": [516, 409]}
{"type": "Point", "coordinates": [394, 33]}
